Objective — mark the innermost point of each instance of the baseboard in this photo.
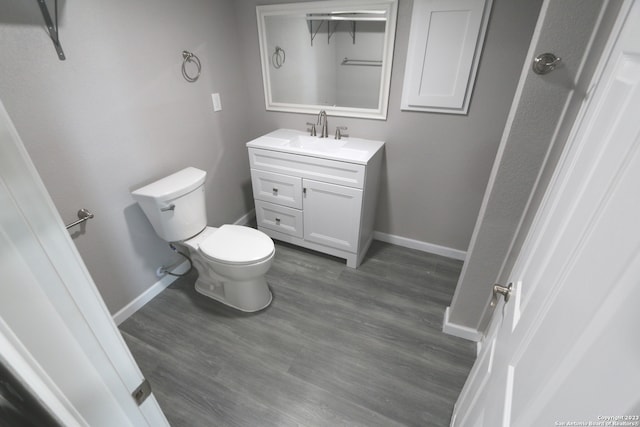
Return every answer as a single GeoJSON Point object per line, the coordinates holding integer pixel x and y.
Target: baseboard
{"type": "Point", "coordinates": [247, 218]}
{"type": "Point", "coordinates": [125, 312]}
{"type": "Point", "coordinates": [420, 246]}
{"type": "Point", "coordinates": [459, 330]}
{"type": "Point", "coordinates": [452, 329]}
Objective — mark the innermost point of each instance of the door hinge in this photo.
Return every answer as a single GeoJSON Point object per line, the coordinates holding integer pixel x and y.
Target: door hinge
{"type": "Point", "coordinates": [141, 393]}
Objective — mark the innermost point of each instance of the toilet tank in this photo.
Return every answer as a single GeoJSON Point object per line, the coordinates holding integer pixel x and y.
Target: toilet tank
{"type": "Point", "coordinates": [175, 205]}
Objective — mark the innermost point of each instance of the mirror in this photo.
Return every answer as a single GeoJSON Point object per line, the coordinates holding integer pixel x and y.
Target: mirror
{"type": "Point", "coordinates": [328, 55]}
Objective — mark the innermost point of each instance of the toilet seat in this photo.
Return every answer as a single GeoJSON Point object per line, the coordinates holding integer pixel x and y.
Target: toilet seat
{"type": "Point", "coordinates": [237, 245]}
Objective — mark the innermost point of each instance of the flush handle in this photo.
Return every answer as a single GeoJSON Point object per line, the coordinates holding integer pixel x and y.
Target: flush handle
{"type": "Point", "coordinates": [501, 290]}
{"type": "Point", "coordinates": [171, 207]}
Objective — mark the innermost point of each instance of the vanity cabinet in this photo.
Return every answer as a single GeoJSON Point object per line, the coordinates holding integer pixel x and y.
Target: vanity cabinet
{"type": "Point", "coordinates": [323, 204]}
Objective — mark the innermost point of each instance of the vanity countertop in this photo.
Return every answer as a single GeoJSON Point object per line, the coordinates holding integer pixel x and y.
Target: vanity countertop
{"type": "Point", "coordinates": [347, 149]}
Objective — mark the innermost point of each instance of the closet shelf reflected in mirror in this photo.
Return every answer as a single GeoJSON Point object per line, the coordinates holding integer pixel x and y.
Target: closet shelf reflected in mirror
{"type": "Point", "coordinates": [316, 77]}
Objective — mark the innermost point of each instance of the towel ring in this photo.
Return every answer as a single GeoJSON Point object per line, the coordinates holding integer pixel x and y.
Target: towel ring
{"type": "Point", "coordinates": [190, 57]}
{"type": "Point", "coordinates": [278, 57]}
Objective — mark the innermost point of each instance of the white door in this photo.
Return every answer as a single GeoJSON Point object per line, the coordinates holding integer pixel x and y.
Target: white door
{"type": "Point", "coordinates": [331, 214]}
{"type": "Point", "coordinates": [56, 333]}
{"type": "Point", "coordinates": [565, 350]}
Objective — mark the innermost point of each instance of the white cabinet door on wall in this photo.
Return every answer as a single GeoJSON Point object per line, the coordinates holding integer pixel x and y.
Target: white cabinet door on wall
{"type": "Point", "coordinates": [332, 214]}
{"type": "Point", "coordinates": [444, 50]}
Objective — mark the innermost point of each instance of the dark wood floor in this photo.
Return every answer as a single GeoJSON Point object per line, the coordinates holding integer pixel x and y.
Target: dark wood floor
{"type": "Point", "coordinates": [337, 346]}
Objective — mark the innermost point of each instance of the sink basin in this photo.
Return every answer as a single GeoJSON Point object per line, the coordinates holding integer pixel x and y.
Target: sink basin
{"type": "Point", "coordinates": [354, 150]}
{"type": "Point", "coordinates": [316, 144]}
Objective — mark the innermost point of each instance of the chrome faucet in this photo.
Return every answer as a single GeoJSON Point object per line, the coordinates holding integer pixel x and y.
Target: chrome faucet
{"type": "Point", "coordinates": [312, 131]}
{"type": "Point", "coordinates": [339, 132]}
{"type": "Point", "coordinates": [322, 120]}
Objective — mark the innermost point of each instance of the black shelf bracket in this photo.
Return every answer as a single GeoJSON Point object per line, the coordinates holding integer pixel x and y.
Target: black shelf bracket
{"type": "Point", "coordinates": [330, 29]}
{"type": "Point", "coordinates": [53, 29]}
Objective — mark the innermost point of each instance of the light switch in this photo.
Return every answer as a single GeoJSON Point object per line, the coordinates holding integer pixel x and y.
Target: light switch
{"type": "Point", "coordinates": [217, 105]}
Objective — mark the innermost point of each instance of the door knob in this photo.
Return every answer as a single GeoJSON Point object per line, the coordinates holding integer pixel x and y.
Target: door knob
{"type": "Point", "coordinates": [545, 63]}
{"type": "Point", "coordinates": [501, 290]}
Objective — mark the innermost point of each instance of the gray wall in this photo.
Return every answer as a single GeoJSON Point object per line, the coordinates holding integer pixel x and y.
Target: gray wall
{"type": "Point", "coordinates": [118, 114]}
{"type": "Point", "coordinates": [436, 165]}
{"type": "Point", "coordinates": [533, 142]}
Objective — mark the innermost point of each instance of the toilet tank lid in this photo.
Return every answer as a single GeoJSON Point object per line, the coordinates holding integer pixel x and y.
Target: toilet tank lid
{"type": "Point", "coordinates": [174, 185]}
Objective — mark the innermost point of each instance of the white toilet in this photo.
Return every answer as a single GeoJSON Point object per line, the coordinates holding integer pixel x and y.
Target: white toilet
{"type": "Point", "coordinates": [232, 260]}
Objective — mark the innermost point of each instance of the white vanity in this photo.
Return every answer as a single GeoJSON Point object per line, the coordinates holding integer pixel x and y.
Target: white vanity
{"type": "Point", "coordinates": [319, 193]}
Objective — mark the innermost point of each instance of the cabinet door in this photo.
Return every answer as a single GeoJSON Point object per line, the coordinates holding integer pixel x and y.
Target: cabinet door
{"type": "Point", "coordinates": [331, 214]}
{"type": "Point", "coordinates": [444, 50]}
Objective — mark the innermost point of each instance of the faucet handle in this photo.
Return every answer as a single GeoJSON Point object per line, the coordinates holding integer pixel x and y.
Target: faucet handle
{"type": "Point", "coordinates": [313, 128]}
{"type": "Point", "coordinates": [339, 133]}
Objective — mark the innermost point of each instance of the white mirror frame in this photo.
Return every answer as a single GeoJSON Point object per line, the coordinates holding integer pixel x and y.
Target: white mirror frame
{"type": "Point", "coordinates": [380, 113]}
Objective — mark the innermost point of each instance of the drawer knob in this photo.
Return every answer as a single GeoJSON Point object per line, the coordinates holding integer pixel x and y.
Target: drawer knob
{"type": "Point", "coordinates": [275, 191]}
{"type": "Point", "coordinates": [277, 221]}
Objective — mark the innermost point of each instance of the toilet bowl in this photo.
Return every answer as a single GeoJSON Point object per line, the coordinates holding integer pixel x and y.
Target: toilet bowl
{"type": "Point", "coordinates": [231, 260]}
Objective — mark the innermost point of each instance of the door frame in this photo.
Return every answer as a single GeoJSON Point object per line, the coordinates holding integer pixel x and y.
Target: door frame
{"type": "Point", "coordinates": [483, 367]}
{"type": "Point", "coordinates": [80, 313]}
{"type": "Point", "coordinates": [529, 149]}
{"type": "Point", "coordinates": [24, 367]}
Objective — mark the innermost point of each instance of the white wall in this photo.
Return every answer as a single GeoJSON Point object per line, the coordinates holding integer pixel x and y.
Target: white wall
{"type": "Point", "coordinates": [117, 114]}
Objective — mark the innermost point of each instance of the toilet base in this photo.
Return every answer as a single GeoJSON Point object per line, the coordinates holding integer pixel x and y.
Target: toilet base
{"type": "Point", "coordinates": [247, 296]}
{"type": "Point", "coordinates": [240, 286]}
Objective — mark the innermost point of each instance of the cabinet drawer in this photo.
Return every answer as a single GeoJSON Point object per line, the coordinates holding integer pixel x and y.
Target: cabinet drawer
{"type": "Point", "coordinates": [331, 171]}
{"type": "Point", "coordinates": [279, 218]}
{"type": "Point", "coordinates": [276, 188]}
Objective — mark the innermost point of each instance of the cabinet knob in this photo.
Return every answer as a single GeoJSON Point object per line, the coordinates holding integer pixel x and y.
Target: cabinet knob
{"type": "Point", "coordinates": [277, 221]}
{"type": "Point", "coordinates": [275, 191]}
{"type": "Point", "coordinates": [304, 192]}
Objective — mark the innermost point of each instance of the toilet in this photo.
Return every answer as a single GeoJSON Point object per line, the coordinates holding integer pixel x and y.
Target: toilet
{"type": "Point", "coordinates": [232, 260]}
